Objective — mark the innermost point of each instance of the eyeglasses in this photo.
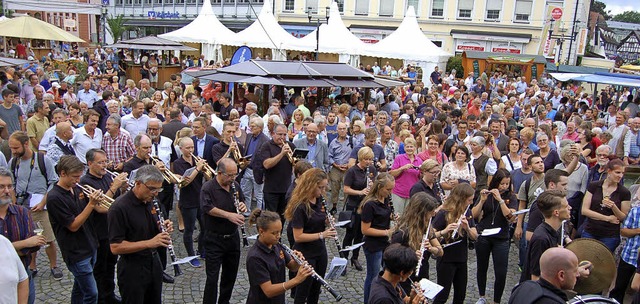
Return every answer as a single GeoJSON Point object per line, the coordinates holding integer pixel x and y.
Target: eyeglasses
{"type": "Point", "coordinates": [229, 175]}
{"type": "Point", "coordinates": [153, 190]}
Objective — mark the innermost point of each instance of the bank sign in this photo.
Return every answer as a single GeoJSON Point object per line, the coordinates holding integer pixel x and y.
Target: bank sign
{"type": "Point", "coordinates": [163, 15]}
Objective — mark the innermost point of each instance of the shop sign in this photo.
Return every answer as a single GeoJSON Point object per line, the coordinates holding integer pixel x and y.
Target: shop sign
{"type": "Point", "coordinates": [163, 15]}
{"type": "Point", "coordinates": [505, 50]}
{"type": "Point", "coordinates": [69, 23]}
{"type": "Point", "coordinates": [476, 69]}
{"type": "Point", "coordinates": [469, 48]}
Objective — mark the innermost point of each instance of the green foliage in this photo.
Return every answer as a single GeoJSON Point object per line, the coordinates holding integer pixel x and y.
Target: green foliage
{"type": "Point", "coordinates": [116, 27]}
{"type": "Point", "coordinates": [80, 66]}
{"type": "Point", "coordinates": [455, 62]}
{"type": "Point", "coordinates": [628, 16]}
{"type": "Point", "coordinates": [601, 7]}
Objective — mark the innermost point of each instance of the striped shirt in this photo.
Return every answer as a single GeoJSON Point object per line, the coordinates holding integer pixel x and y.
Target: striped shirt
{"type": "Point", "coordinates": [118, 149]}
{"type": "Point", "coordinates": [17, 225]}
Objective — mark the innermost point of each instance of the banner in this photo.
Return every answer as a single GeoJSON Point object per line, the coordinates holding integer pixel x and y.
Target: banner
{"type": "Point", "coordinates": [547, 45]}
{"type": "Point", "coordinates": [581, 39]}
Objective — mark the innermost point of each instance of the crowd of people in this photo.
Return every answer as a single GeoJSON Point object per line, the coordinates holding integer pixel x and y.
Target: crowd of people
{"type": "Point", "coordinates": [419, 171]}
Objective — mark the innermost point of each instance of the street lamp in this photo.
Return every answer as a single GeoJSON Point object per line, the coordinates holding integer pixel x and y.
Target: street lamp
{"type": "Point", "coordinates": [559, 40]}
{"type": "Point", "coordinates": [104, 24]}
{"type": "Point", "coordinates": [317, 19]}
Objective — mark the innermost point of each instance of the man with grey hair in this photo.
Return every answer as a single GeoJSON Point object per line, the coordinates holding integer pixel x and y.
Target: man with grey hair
{"type": "Point", "coordinates": [255, 139]}
{"type": "Point", "coordinates": [162, 148]}
{"type": "Point", "coordinates": [598, 171]}
{"type": "Point", "coordinates": [117, 144]}
{"type": "Point", "coordinates": [321, 123]}
{"type": "Point", "coordinates": [146, 91]}
{"type": "Point", "coordinates": [135, 236]}
{"type": "Point", "coordinates": [318, 154]}
{"type": "Point", "coordinates": [250, 108]}
{"type": "Point", "coordinates": [339, 151]}
{"type": "Point", "coordinates": [18, 227]}
{"type": "Point", "coordinates": [58, 115]}
{"type": "Point", "coordinates": [61, 145]}
{"type": "Point", "coordinates": [168, 87]}
{"type": "Point", "coordinates": [273, 120]}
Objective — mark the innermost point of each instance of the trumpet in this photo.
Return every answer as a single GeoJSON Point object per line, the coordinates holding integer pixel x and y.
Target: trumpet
{"type": "Point", "coordinates": [208, 172]}
{"type": "Point", "coordinates": [169, 176]}
{"type": "Point", "coordinates": [234, 153]}
{"type": "Point", "coordinates": [130, 184]}
{"type": "Point", "coordinates": [103, 201]}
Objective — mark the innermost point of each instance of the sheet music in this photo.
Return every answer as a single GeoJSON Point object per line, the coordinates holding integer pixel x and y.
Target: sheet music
{"type": "Point", "coordinates": [337, 266]}
{"type": "Point", "coordinates": [253, 237]}
{"type": "Point", "coordinates": [342, 223]}
{"type": "Point", "coordinates": [429, 288]}
{"type": "Point", "coordinates": [184, 260]}
{"type": "Point", "coordinates": [492, 231]}
{"type": "Point", "coordinates": [189, 171]}
{"type": "Point", "coordinates": [132, 177]}
{"type": "Point", "coordinates": [521, 211]}
{"type": "Point", "coordinates": [352, 247]}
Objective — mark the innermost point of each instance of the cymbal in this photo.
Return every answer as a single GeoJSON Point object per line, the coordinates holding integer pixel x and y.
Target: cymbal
{"type": "Point", "coordinates": [604, 265]}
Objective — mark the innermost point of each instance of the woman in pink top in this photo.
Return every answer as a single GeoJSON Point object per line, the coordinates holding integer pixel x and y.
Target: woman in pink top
{"type": "Point", "coordinates": [433, 150]}
{"type": "Point", "coordinates": [406, 171]}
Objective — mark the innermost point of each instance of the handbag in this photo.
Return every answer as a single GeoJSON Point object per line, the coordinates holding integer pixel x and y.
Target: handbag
{"type": "Point", "coordinates": [346, 215]}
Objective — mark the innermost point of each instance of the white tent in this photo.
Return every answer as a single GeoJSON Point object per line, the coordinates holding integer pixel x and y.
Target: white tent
{"type": "Point", "coordinates": [205, 29]}
{"type": "Point", "coordinates": [266, 33]}
{"type": "Point", "coordinates": [409, 43]}
{"type": "Point", "coordinates": [336, 38]}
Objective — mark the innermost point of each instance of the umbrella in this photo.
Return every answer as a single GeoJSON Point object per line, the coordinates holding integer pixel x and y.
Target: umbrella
{"type": "Point", "coordinates": [32, 28]}
{"type": "Point", "coordinates": [7, 61]}
{"type": "Point", "coordinates": [151, 43]}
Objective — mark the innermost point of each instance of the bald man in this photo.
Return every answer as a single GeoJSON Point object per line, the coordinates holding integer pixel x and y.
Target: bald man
{"type": "Point", "coordinates": [559, 271]}
{"type": "Point", "coordinates": [60, 145]}
{"type": "Point", "coordinates": [318, 151]}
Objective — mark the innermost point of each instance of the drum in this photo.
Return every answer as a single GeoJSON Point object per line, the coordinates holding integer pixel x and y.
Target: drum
{"type": "Point", "coordinates": [598, 299]}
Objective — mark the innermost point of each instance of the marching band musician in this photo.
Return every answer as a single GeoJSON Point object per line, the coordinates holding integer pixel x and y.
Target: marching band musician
{"type": "Point", "coordinates": [69, 212]}
{"type": "Point", "coordinates": [228, 145]}
{"type": "Point", "coordinates": [266, 261]}
{"type": "Point", "coordinates": [376, 212]}
{"type": "Point", "coordinates": [451, 268]}
{"type": "Point", "coordinates": [308, 219]}
{"type": "Point", "coordinates": [399, 263]}
{"type": "Point", "coordinates": [356, 187]}
{"type": "Point", "coordinates": [189, 202]}
{"type": "Point", "coordinates": [162, 148]}
{"type": "Point", "coordinates": [430, 170]}
{"type": "Point", "coordinates": [143, 145]}
{"type": "Point", "coordinates": [135, 236]}
{"type": "Point", "coordinates": [222, 240]}
{"type": "Point", "coordinates": [411, 229]}
{"type": "Point", "coordinates": [277, 169]}
{"type": "Point", "coordinates": [97, 177]}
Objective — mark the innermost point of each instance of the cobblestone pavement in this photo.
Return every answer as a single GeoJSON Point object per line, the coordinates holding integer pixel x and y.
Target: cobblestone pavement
{"type": "Point", "coordinates": [190, 286]}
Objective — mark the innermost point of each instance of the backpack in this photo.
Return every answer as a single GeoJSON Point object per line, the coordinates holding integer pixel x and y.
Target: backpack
{"type": "Point", "coordinates": [41, 165]}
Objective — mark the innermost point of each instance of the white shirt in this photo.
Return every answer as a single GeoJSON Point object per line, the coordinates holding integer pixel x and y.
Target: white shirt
{"type": "Point", "coordinates": [244, 123]}
{"type": "Point", "coordinates": [12, 272]}
{"type": "Point", "coordinates": [48, 138]}
{"type": "Point", "coordinates": [162, 150]}
{"type": "Point", "coordinates": [217, 123]}
{"type": "Point", "coordinates": [134, 125]}
{"type": "Point", "coordinates": [82, 142]}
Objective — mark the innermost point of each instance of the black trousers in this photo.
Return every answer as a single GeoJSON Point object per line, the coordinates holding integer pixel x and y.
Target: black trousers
{"type": "Point", "coordinates": [499, 249]}
{"type": "Point", "coordinates": [625, 273]}
{"type": "Point", "coordinates": [165, 199]}
{"type": "Point", "coordinates": [221, 252]}
{"type": "Point", "coordinates": [352, 235]}
{"type": "Point", "coordinates": [451, 274]}
{"type": "Point", "coordinates": [276, 202]}
{"type": "Point", "coordinates": [104, 271]}
{"type": "Point", "coordinates": [140, 279]}
{"type": "Point", "coordinates": [309, 290]}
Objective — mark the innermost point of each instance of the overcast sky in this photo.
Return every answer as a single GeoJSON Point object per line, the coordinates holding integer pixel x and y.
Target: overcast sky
{"type": "Point", "coordinates": [619, 6]}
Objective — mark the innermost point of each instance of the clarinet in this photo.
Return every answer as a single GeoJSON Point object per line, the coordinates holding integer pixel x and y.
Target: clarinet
{"type": "Point", "coordinates": [425, 239]}
{"type": "Point", "coordinates": [439, 192]}
{"type": "Point", "coordinates": [176, 268]}
{"type": "Point", "coordinates": [331, 223]}
{"type": "Point", "coordinates": [314, 274]}
{"type": "Point", "coordinates": [245, 241]}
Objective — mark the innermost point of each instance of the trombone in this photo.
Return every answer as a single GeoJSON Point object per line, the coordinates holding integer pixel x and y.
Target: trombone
{"type": "Point", "coordinates": [103, 201]}
{"type": "Point", "coordinates": [130, 184]}
{"type": "Point", "coordinates": [208, 172]}
{"type": "Point", "coordinates": [169, 176]}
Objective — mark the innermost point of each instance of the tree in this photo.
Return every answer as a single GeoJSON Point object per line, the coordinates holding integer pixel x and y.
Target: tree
{"type": "Point", "coordinates": [116, 27]}
{"type": "Point", "coordinates": [601, 7]}
{"type": "Point", "coordinates": [628, 16]}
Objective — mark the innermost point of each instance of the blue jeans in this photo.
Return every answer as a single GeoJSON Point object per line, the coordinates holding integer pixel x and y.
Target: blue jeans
{"type": "Point", "coordinates": [190, 216]}
{"type": "Point", "coordinates": [32, 287]}
{"type": "Point", "coordinates": [85, 289]}
{"type": "Point", "coordinates": [374, 261]}
{"type": "Point", "coordinates": [611, 242]}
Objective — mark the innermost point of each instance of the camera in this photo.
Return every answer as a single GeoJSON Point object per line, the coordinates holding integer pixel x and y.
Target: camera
{"type": "Point", "coordinates": [23, 199]}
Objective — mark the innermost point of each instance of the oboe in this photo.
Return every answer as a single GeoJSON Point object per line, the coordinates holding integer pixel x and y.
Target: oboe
{"type": "Point", "coordinates": [425, 239]}
{"type": "Point", "coordinates": [314, 274]}
{"type": "Point", "coordinates": [176, 268]}
{"type": "Point", "coordinates": [245, 241]}
{"type": "Point", "coordinates": [331, 223]}
{"type": "Point", "coordinates": [464, 214]}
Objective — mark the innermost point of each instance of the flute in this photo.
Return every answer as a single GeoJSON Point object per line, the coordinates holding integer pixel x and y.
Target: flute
{"type": "Point", "coordinates": [331, 223]}
{"type": "Point", "coordinates": [176, 268]}
{"type": "Point", "coordinates": [314, 274]}
{"type": "Point", "coordinates": [245, 241]}
{"type": "Point", "coordinates": [464, 214]}
{"type": "Point", "coordinates": [425, 239]}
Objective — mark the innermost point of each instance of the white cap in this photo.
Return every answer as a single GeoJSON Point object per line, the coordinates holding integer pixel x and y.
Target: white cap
{"type": "Point", "coordinates": [30, 58]}
{"type": "Point", "coordinates": [55, 84]}
{"type": "Point", "coordinates": [405, 116]}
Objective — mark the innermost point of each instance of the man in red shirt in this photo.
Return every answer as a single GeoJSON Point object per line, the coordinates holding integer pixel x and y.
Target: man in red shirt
{"type": "Point", "coordinates": [21, 50]}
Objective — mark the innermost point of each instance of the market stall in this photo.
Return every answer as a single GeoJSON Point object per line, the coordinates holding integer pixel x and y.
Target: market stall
{"type": "Point", "coordinates": [530, 66]}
